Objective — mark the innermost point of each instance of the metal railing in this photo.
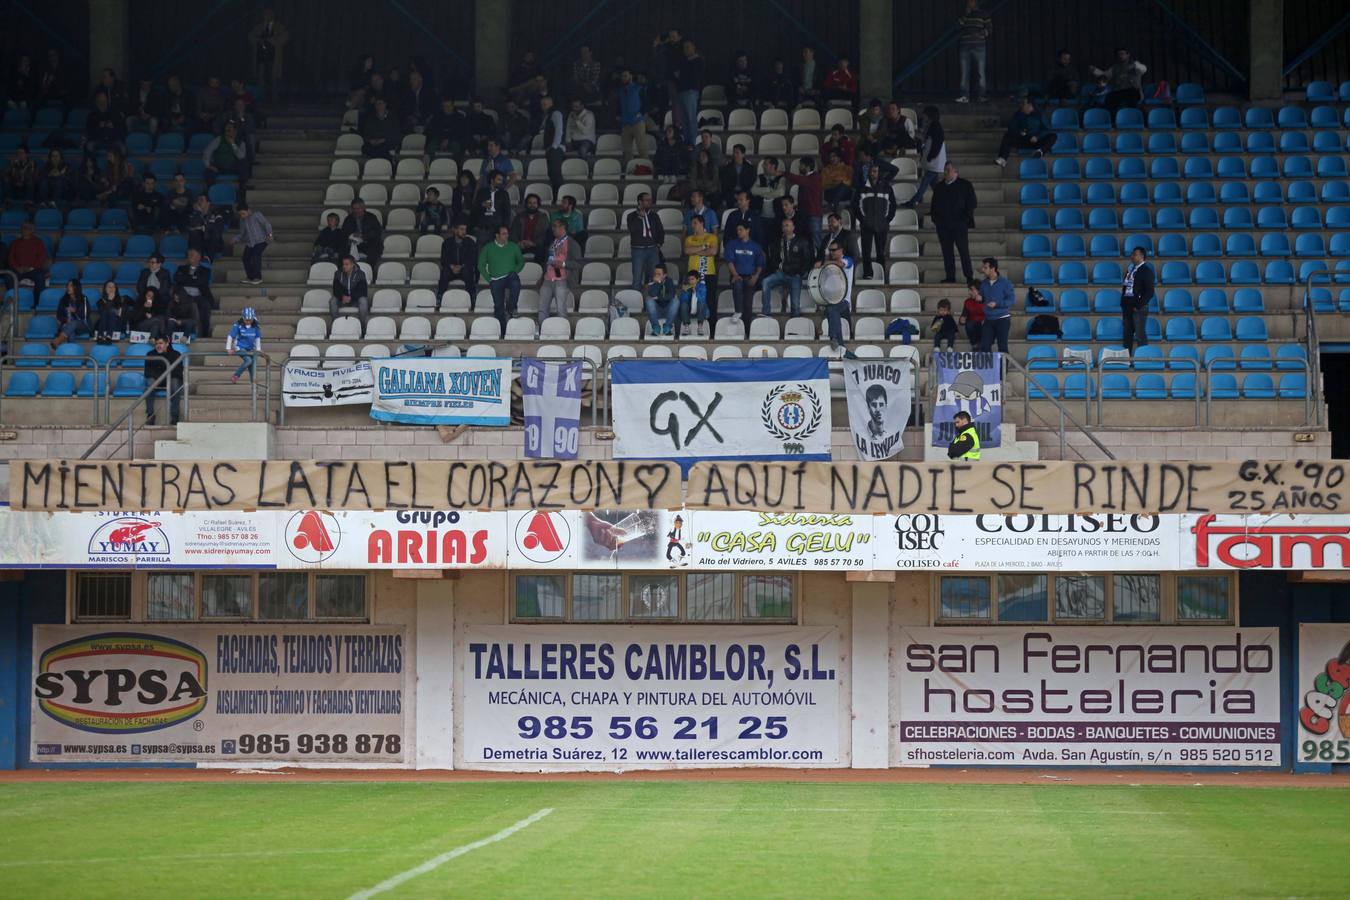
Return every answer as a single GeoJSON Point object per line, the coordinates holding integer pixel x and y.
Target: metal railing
{"type": "Point", "coordinates": [1312, 343]}
{"type": "Point", "coordinates": [9, 304]}
{"type": "Point", "coordinates": [262, 363]}
{"type": "Point", "coordinates": [128, 415]}
{"type": "Point", "coordinates": [1105, 367]}
{"type": "Point", "coordinates": [1065, 417]}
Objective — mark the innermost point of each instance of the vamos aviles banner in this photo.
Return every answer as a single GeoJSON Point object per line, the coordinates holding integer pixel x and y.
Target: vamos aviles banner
{"type": "Point", "coordinates": [1130, 696]}
{"type": "Point", "coordinates": [612, 697]}
{"type": "Point", "coordinates": [1324, 689]}
{"type": "Point", "coordinates": [196, 693]}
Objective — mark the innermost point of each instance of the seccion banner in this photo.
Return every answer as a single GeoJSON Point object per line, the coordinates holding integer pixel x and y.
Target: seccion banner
{"type": "Point", "coordinates": [198, 693]}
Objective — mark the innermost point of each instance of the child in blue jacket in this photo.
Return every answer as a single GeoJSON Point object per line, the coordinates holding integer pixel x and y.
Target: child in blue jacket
{"type": "Point", "coordinates": [245, 340]}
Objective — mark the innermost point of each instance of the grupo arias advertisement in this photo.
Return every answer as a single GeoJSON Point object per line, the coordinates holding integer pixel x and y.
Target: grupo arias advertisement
{"type": "Point", "coordinates": [198, 693]}
{"type": "Point", "coordinates": [613, 697]}
{"type": "Point", "coordinates": [1324, 693]}
{"type": "Point", "coordinates": [1134, 696]}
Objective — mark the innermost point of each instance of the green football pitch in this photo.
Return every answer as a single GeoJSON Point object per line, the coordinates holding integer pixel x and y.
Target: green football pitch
{"type": "Point", "coordinates": [677, 839]}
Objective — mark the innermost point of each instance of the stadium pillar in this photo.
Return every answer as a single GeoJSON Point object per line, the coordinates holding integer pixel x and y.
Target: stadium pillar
{"type": "Point", "coordinates": [871, 676]}
{"type": "Point", "coordinates": [109, 38]}
{"type": "Point", "coordinates": [874, 46]}
{"type": "Point", "coordinates": [1265, 80]}
{"type": "Point", "coordinates": [435, 649]}
{"type": "Point", "coordinates": [492, 44]}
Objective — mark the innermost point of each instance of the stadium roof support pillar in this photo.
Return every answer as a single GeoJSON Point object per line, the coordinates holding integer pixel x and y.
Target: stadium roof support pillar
{"type": "Point", "coordinates": [109, 38]}
{"type": "Point", "coordinates": [875, 43]}
{"type": "Point", "coordinates": [870, 676]}
{"type": "Point", "coordinates": [492, 44]}
{"type": "Point", "coordinates": [1266, 20]}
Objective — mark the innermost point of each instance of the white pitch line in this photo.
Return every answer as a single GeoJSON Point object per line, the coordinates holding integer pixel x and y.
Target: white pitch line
{"type": "Point", "coordinates": [436, 861]}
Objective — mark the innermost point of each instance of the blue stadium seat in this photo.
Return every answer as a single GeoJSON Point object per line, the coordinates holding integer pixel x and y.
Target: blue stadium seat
{"type": "Point", "coordinates": [1234, 192]}
{"type": "Point", "coordinates": [1232, 167]}
{"type": "Point", "coordinates": [1291, 117]}
{"type": "Point", "coordinates": [197, 144]}
{"type": "Point", "coordinates": [1035, 245]}
{"type": "Point", "coordinates": [1165, 142]}
{"type": "Point", "coordinates": [1324, 117]}
{"type": "Point", "coordinates": [1258, 386]}
{"type": "Point", "coordinates": [1107, 273]}
{"type": "Point", "coordinates": [163, 169]}
{"type": "Point", "coordinates": [1149, 386]}
{"type": "Point", "coordinates": [1338, 217]}
{"type": "Point", "coordinates": [1310, 245]}
{"type": "Point", "coordinates": [1219, 358]}
{"type": "Point", "coordinates": [1274, 244]}
{"type": "Point", "coordinates": [106, 246]}
{"type": "Point", "coordinates": [1048, 306]}
{"type": "Point", "coordinates": [1037, 273]}
{"type": "Point", "coordinates": [1076, 328]}
{"type": "Point", "coordinates": [1213, 301]}
{"type": "Point", "coordinates": [1237, 218]}
{"type": "Point", "coordinates": [96, 273]}
{"type": "Point", "coordinates": [29, 352]}
{"type": "Point", "coordinates": [1195, 118]}
{"type": "Point", "coordinates": [173, 246]}
{"type": "Point", "coordinates": [170, 144]}
{"type": "Point", "coordinates": [58, 385]}
{"type": "Point", "coordinates": [1116, 386]}
{"type": "Point", "coordinates": [1078, 386]}
{"type": "Point", "coordinates": [1134, 195]}
{"type": "Point", "coordinates": [1069, 245]}
{"type": "Point", "coordinates": [1067, 194]}
{"type": "Point", "coordinates": [1134, 169]}
{"type": "Point", "coordinates": [1106, 302]}
{"type": "Point", "coordinates": [1326, 142]}
{"type": "Point", "coordinates": [128, 273]}
{"type": "Point", "coordinates": [1302, 192]}
{"type": "Point", "coordinates": [1226, 117]}
{"type": "Point", "coordinates": [1162, 167]}
{"type": "Point", "coordinates": [1183, 387]}
{"type": "Point", "coordinates": [133, 356]}
{"type": "Point", "coordinates": [1097, 142]}
{"type": "Point", "coordinates": [1260, 142]}
{"type": "Point", "coordinates": [1264, 167]}
{"type": "Point", "coordinates": [1072, 273]}
{"type": "Point", "coordinates": [1175, 273]}
{"type": "Point", "coordinates": [1198, 167]}
{"type": "Point", "coordinates": [1298, 167]}
{"type": "Point", "coordinates": [1278, 271]}
{"type": "Point", "coordinates": [81, 220]}
{"type": "Point", "coordinates": [1161, 118]}
{"type": "Point", "coordinates": [139, 246]}
{"type": "Point", "coordinates": [139, 144]}
{"type": "Point", "coordinates": [1042, 386]}
{"type": "Point", "coordinates": [1201, 217]}
{"type": "Point", "coordinates": [1239, 245]}
{"type": "Point", "coordinates": [1201, 193]}
{"type": "Point", "coordinates": [221, 194]}
{"type": "Point", "coordinates": [1128, 143]}
{"type": "Point", "coordinates": [1223, 386]}
{"type": "Point", "coordinates": [1294, 142]}
{"type": "Point", "coordinates": [1293, 386]}
{"type": "Point", "coordinates": [1259, 117]}
{"type": "Point", "coordinates": [1073, 301]}
{"type": "Point", "coordinates": [1210, 272]}
{"type": "Point", "coordinates": [1041, 357]}
{"type": "Point", "coordinates": [1136, 220]}
{"type": "Point", "coordinates": [1103, 219]}
{"type": "Point", "coordinates": [1321, 300]}
{"type": "Point", "coordinates": [129, 384]}
{"type": "Point", "coordinates": [1033, 195]}
{"type": "Point", "coordinates": [1099, 194]}
{"type": "Point", "coordinates": [1031, 170]}
{"type": "Point", "coordinates": [1179, 329]}
{"type": "Point", "coordinates": [1066, 144]}
{"type": "Point", "coordinates": [1306, 217]}
{"type": "Point", "coordinates": [1185, 357]}
{"type": "Point", "coordinates": [1331, 167]}
{"type": "Point", "coordinates": [1150, 357]}
{"type": "Point", "coordinates": [1178, 301]}
{"type": "Point", "coordinates": [22, 384]}
{"type": "Point", "coordinates": [72, 246]}
{"type": "Point", "coordinates": [1064, 118]}
{"type": "Point", "coordinates": [1065, 170]}
{"type": "Point", "coordinates": [1129, 119]}
{"type": "Point", "coordinates": [1244, 271]}
{"type": "Point", "coordinates": [1138, 240]}
{"type": "Point", "coordinates": [103, 354]}
{"type": "Point", "coordinates": [1290, 356]}
{"type": "Point", "coordinates": [1193, 142]}
{"type": "Point", "coordinates": [1167, 193]}
{"type": "Point", "coordinates": [1104, 245]}
{"type": "Point", "coordinates": [1098, 169]}
{"type": "Point", "coordinates": [72, 356]}
{"type": "Point", "coordinates": [1215, 328]}
{"type": "Point", "coordinates": [1340, 244]}
{"type": "Point", "coordinates": [1096, 119]}
{"type": "Point", "coordinates": [1068, 220]}
{"type": "Point", "coordinates": [1250, 328]}
{"type": "Point", "coordinates": [114, 220]}
{"type": "Point", "coordinates": [1254, 356]}
{"type": "Point", "coordinates": [1035, 220]}
{"type": "Point", "coordinates": [1271, 217]}
{"type": "Point", "coordinates": [1320, 92]}
{"type": "Point", "coordinates": [1171, 245]}
{"type": "Point", "coordinates": [1206, 245]}
{"type": "Point", "coordinates": [1189, 93]}
{"type": "Point", "coordinates": [40, 328]}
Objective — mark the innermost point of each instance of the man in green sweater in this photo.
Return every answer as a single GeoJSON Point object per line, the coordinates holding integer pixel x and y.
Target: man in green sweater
{"type": "Point", "coordinates": [499, 264]}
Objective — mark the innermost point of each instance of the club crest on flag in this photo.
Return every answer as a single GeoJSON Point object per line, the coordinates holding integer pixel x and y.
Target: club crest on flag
{"type": "Point", "coordinates": [791, 413]}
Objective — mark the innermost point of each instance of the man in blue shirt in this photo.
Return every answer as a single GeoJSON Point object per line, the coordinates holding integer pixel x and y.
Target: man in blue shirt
{"type": "Point", "coordinates": [632, 117]}
{"type": "Point", "coordinates": [698, 209]}
{"type": "Point", "coordinates": [741, 213]}
{"type": "Point", "coordinates": [746, 259]}
{"type": "Point", "coordinates": [997, 294]}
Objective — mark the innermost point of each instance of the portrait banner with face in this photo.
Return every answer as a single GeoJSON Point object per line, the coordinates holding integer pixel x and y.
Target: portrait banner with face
{"type": "Point", "coordinates": [970, 383]}
{"type": "Point", "coordinates": [880, 393]}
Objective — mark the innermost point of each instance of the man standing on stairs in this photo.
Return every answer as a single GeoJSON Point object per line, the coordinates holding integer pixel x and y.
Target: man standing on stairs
{"type": "Point", "coordinates": [553, 134]}
{"type": "Point", "coordinates": [953, 213]}
{"type": "Point", "coordinates": [1135, 295]}
{"type": "Point", "coordinates": [195, 280]}
{"type": "Point", "coordinates": [255, 233]}
{"type": "Point", "coordinates": [500, 262]}
{"type": "Point", "coordinates": [975, 27]}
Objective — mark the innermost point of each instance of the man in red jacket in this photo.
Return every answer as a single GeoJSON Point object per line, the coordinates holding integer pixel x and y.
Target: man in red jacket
{"type": "Point", "coordinates": [809, 193]}
{"type": "Point", "coordinates": [841, 83]}
{"type": "Point", "coordinates": [28, 258]}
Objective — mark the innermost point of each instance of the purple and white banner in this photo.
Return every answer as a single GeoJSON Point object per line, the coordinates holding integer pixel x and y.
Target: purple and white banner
{"type": "Point", "coordinates": [1126, 696]}
{"type": "Point", "coordinates": [552, 397]}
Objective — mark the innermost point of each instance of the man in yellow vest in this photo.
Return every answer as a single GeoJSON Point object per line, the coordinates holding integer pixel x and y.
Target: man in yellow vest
{"type": "Point", "coordinates": [966, 444]}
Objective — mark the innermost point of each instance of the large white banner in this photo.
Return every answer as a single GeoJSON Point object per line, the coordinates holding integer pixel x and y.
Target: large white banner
{"type": "Point", "coordinates": [442, 390]}
{"type": "Point", "coordinates": [150, 540]}
{"type": "Point", "coordinates": [634, 697]}
{"type": "Point", "coordinates": [786, 541]}
{"type": "Point", "coordinates": [1324, 693]}
{"type": "Point", "coordinates": [687, 410]}
{"type": "Point", "coordinates": [237, 693]}
{"type": "Point", "coordinates": [1125, 696]}
{"type": "Point", "coordinates": [306, 386]}
{"type": "Point", "coordinates": [880, 393]}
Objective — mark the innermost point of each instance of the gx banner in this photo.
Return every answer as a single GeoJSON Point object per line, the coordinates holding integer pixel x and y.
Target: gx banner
{"type": "Point", "coordinates": [236, 693]}
{"type": "Point", "coordinates": [688, 410]}
{"type": "Point", "coordinates": [441, 390]}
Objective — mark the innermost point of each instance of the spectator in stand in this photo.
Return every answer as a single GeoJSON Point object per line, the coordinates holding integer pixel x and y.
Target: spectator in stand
{"type": "Point", "coordinates": [998, 296]}
{"type": "Point", "coordinates": [446, 130]}
{"type": "Point", "coordinates": [147, 207]}
{"type": "Point", "coordinates": [839, 142]}
{"type": "Point", "coordinates": [419, 103]}
{"type": "Point", "coordinates": [1124, 80]}
{"type": "Point", "coordinates": [742, 214]}
{"type": "Point", "coordinates": [480, 127]}
{"type": "Point", "coordinates": [841, 83]}
{"type": "Point", "coordinates": [28, 258]}
{"type": "Point", "coordinates": [706, 141]}
{"type": "Point", "coordinates": [1027, 129]}
{"type": "Point", "coordinates": [112, 314]}
{"type": "Point", "coordinates": [1135, 295]}
{"type": "Point", "coordinates": [741, 82]}
{"type": "Point", "coordinates": [788, 209]}
{"type": "Point", "coordinates": [462, 197]}
{"type": "Point", "coordinates": [779, 90]}
{"type": "Point", "coordinates": [836, 233]}
{"type": "Point", "coordinates": [459, 258]}
{"type": "Point", "coordinates": [770, 187]}
{"type": "Point", "coordinates": [530, 230]}
{"type": "Point", "coordinates": [22, 90]}
{"type": "Point", "coordinates": [176, 106]}
{"type": "Point", "coordinates": [836, 181]}
{"type": "Point", "coordinates": [524, 74]}
{"type": "Point", "coordinates": [255, 233]}
{"type": "Point", "coordinates": [932, 153]}
{"type": "Point", "coordinates": [810, 195]}
{"type": "Point", "coordinates": [144, 113]}
{"type": "Point", "coordinates": [791, 257]}
{"type": "Point", "coordinates": [873, 210]}
{"type": "Point", "coordinates": [21, 177]}
{"type": "Point", "coordinates": [662, 301]}
{"type": "Point", "coordinates": [365, 234]}
{"type": "Point", "coordinates": [897, 128]}
{"type": "Point", "coordinates": [586, 76]}
{"type": "Point", "coordinates": [105, 128]}
{"type": "Point", "coordinates": [698, 209]}
{"type": "Point", "coordinates": [871, 122]}
{"type": "Point", "coordinates": [150, 315]}
{"type": "Point", "coordinates": [432, 214]}
{"type": "Point", "coordinates": [268, 41]}
{"type": "Point", "coordinates": [90, 183]}
{"type": "Point", "coordinates": [571, 217]}
{"type": "Point", "coordinates": [117, 170]}
{"type": "Point", "coordinates": [835, 313]}
{"type": "Point", "coordinates": [245, 124]}
{"type": "Point", "coordinates": [210, 103]}
{"type": "Point", "coordinates": [351, 293]}
{"type": "Point", "coordinates": [155, 277]}
{"type": "Point", "coordinates": [499, 264]}
{"type": "Point", "coordinates": [630, 100]}
{"type": "Point", "coordinates": [645, 236]}
{"type": "Point", "coordinates": [245, 341]}
{"type": "Point", "coordinates": [737, 174]}
{"type": "Point", "coordinates": [206, 227]}
{"type": "Point", "coordinates": [972, 315]}
{"type": "Point", "coordinates": [1064, 81]}
{"type": "Point", "coordinates": [381, 132]}
{"type": "Point", "coordinates": [182, 317]}
{"type": "Point", "coordinates": [701, 247]}
{"type": "Point", "coordinates": [56, 186]}
{"type": "Point", "coordinates": [74, 315]}
{"type": "Point", "coordinates": [659, 74]}
{"type": "Point", "coordinates": [688, 88]}
{"type": "Point", "coordinates": [672, 160]}
{"type": "Point", "coordinates": [553, 133]}
{"type": "Point", "coordinates": [331, 244]}
{"type": "Point", "coordinates": [194, 279]}
{"type": "Point", "coordinates": [975, 26]}
{"type": "Point", "coordinates": [745, 262]}
{"type": "Point", "coordinates": [581, 131]}
{"type": "Point", "coordinates": [704, 176]}
{"type": "Point", "coordinates": [693, 299]}
{"type": "Point", "coordinates": [226, 155]}
{"type": "Point", "coordinates": [808, 78]}
{"type": "Point", "coordinates": [943, 326]}
{"type": "Point", "coordinates": [496, 161]}
{"type": "Point", "coordinates": [562, 271]}
{"type": "Point", "coordinates": [162, 363]}
{"type": "Point", "coordinates": [116, 91]}
{"type": "Point", "coordinates": [53, 86]}
{"type": "Point", "coordinates": [953, 212]}
{"type": "Point", "coordinates": [377, 90]}
{"type": "Point", "coordinates": [514, 129]}
{"type": "Point", "coordinates": [178, 204]}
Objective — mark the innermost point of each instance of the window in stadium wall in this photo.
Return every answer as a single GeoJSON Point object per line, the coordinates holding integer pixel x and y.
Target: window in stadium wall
{"type": "Point", "coordinates": [1142, 598]}
{"type": "Point", "coordinates": [656, 597]}
{"type": "Point", "coordinates": [218, 596]}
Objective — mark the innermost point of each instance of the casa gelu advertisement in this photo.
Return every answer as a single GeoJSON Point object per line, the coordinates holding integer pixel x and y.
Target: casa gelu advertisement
{"type": "Point", "coordinates": [1324, 693]}
{"type": "Point", "coordinates": [638, 697]}
{"type": "Point", "coordinates": [198, 693]}
{"type": "Point", "coordinates": [1071, 696]}
{"type": "Point", "coordinates": [742, 540]}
